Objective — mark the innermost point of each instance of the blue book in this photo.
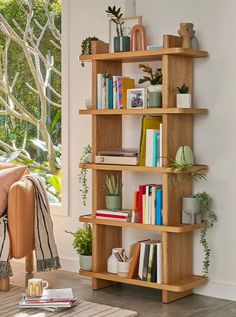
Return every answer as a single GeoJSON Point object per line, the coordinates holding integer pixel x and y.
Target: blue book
{"type": "Point", "coordinates": [159, 207]}
{"type": "Point", "coordinates": [110, 94]}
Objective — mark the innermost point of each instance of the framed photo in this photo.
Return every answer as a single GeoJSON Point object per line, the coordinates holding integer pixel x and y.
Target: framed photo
{"type": "Point", "coordinates": [127, 27]}
{"type": "Point", "coordinates": [137, 98]}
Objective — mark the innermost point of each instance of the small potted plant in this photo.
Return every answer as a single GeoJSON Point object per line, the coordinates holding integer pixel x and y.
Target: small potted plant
{"type": "Point", "coordinates": [86, 157]}
{"type": "Point", "coordinates": [113, 190]}
{"type": "Point", "coordinates": [184, 99]}
{"type": "Point", "coordinates": [155, 87]}
{"type": "Point", "coordinates": [82, 244]}
{"type": "Point", "coordinates": [121, 42]}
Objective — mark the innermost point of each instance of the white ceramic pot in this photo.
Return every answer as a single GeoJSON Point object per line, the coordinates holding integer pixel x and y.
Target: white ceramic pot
{"type": "Point", "coordinates": [90, 158]}
{"type": "Point", "coordinates": [123, 269]}
{"type": "Point", "coordinates": [184, 100]}
{"type": "Point", "coordinates": [154, 88]}
{"type": "Point", "coordinates": [112, 261]}
{"type": "Point", "coordinates": [190, 210]}
{"type": "Point", "coordinates": [85, 262]}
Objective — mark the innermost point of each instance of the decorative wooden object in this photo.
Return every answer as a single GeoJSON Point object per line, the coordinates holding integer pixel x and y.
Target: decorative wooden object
{"type": "Point", "coordinates": [99, 47]}
{"type": "Point", "coordinates": [178, 279]}
{"type": "Point", "coordinates": [186, 31]}
{"type": "Point", "coordinates": [138, 38]}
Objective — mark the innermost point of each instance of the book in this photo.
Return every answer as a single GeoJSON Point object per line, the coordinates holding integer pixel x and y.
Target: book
{"type": "Point", "coordinates": [141, 259]}
{"type": "Point", "coordinates": [119, 152]}
{"type": "Point", "coordinates": [159, 262]}
{"type": "Point", "coordinates": [124, 215]}
{"type": "Point", "coordinates": [134, 262]}
{"type": "Point", "coordinates": [154, 265]}
{"type": "Point", "coordinates": [144, 207]}
{"type": "Point", "coordinates": [99, 91]}
{"type": "Point", "coordinates": [151, 147]}
{"type": "Point", "coordinates": [150, 262]}
{"type": "Point", "coordinates": [147, 123]}
{"type": "Point", "coordinates": [115, 99]}
{"type": "Point", "coordinates": [147, 194]}
{"type": "Point", "coordinates": [159, 207]}
{"type": "Point", "coordinates": [104, 91]}
{"type": "Point", "coordinates": [116, 160]}
{"type": "Point", "coordinates": [55, 294]}
{"type": "Point", "coordinates": [135, 211]}
{"type": "Point", "coordinates": [142, 189]}
{"type": "Point", "coordinates": [110, 94]}
{"type": "Point", "coordinates": [125, 83]}
{"type": "Point", "coordinates": [153, 206]}
{"type": "Point", "coordinates": [160, 141]}
{"type": "Point", "coordinates": [145, 261]}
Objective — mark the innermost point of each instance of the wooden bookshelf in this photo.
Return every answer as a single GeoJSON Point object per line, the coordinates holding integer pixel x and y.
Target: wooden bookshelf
{"type": "Point", "coordinates": [177, 240]}
{"type": "Point", "coordinates": [144, 112]}
{"type": "Point", "coordinates": [174, 229]}
{"type": "Point", "coordinates": [179, 286]}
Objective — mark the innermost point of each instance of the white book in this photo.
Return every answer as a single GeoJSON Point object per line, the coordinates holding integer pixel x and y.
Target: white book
{"type": "Point", "coordinates": [99, 91]}
{"type": "Point", "coordinates": [160, 150]}
{"type": "Point", "coordinates": [103, 91]}
{"type": "Point", "coordinates": [149, 147]}
{"type": "Point", "coordinates": [150, 209]}
{"type": "Point", "coordinates": [116, 160]}
{"type": "Point", "coordinates": [153, 204]}
{"type": "Point", "coordinates": [147, 205]}
{"type": "Point", "coordinates": [159, 262]}
{"type": "Point", "coordinates": [107, 93]}
{"type": "Point", "coordinates": [115, 100]}
{"type": "Point", "coordinates": [141, 260]}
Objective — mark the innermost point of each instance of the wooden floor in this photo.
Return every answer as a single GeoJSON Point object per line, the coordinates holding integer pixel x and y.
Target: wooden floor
{"type": "Point", "coordinates": [144, 300]}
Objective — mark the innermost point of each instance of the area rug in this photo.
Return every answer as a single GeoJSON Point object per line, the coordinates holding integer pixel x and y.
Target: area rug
{"type": "Point", "coordinates": [9, 308]}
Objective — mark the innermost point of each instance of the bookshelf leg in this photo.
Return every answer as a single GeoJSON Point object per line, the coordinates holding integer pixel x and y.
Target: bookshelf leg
{"type": "Point", "coordinates": [168, 297]}
{"type": "Point", "coordinates": [98, 284]}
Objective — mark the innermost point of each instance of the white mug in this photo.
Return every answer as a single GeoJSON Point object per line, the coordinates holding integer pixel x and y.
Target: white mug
{"type": "Point", "coordinates": [36, 286]}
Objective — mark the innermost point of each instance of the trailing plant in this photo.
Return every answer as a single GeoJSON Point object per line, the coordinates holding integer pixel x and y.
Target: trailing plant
{"type": "Point", "coordinates": [187, 171]}
{"type": "Point", "coordinates": [83, 173]}
{"type": "Point", "coordinates": [183, 89]}
{"type": "Point", "coordinates": [86, 46]}
{"type": "Point", "coordinates": [82, 242]}
{"type": "Point", "coordinates": [113, 186]}
{"type": "Point", "coordinates": [155, 77]}
{"type": "Point", "coordinates": [117, 19]}
{"type": "Point", "coordinates": [209, 219]}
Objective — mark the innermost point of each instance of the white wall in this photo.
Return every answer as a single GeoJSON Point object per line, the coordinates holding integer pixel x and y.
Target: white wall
{"type": "Point", "coordinates": [214, 88]}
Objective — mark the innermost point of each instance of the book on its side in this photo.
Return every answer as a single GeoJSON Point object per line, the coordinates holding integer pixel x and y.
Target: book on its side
{"type": "Point", "coordinates": [159, 262]}
{"type": "Point", "coordinates": [116, 160]}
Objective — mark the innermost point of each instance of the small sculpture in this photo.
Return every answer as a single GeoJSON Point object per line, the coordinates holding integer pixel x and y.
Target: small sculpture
{"type": "Point", "coordinates": [138, 38]}
{"type": "Point", "coordinates": [186, 31]}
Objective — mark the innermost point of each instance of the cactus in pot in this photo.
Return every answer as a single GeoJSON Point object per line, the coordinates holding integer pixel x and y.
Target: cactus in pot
{"type": "Point", "coordinates": [113, 188]}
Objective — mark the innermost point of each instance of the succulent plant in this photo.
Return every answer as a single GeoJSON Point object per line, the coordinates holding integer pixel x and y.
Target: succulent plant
{"type": "Point", "coordinates": [113, 186]}
{"type": "Point", "coordinates": [155, 77]}
{"type": "Point", "coordinates": [116, 18]}
{"type": "Point", "coordinates": [183, 89]}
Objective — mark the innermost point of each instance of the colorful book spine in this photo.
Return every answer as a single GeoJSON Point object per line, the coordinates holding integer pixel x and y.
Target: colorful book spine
{"type": "Point", "coordinates": [120, 92]}
{"type": "Point", "coordinates": [115, 100]}
{"type": "Point", "coordinates": [110, 94]}
{"type": "Point", "coordinates": [142, 189]}
{"type": "Point", "coordinates": [159, 207]}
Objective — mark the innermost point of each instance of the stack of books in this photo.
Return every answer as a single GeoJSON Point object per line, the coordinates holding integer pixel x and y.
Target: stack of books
{"type": "Point", "coordinates": [112, 91]}
{"type": "Point", "coordinates": [148, 205]}
{"type": "Point", "coordinates": [123, 215]}
{"type": "Point", "coordinates": [117, 156]}
{"type": "Point", "coordinates": [146, 261]}
{"type": "Point", "coordinates": [51, 300]}
{"type": "Point", "coordinates": [150, 153]}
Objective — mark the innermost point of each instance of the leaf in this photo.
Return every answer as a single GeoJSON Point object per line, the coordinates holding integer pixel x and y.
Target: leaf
{"type": "Point", "coordinates": [55, 181]}
{"type": "Point", "coordinates": [7, 158]}
{"type": "Point", "coordinates": [40, 144]}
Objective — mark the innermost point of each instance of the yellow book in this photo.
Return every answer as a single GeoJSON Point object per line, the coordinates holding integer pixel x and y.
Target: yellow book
{"type": "Point", "coordinates": [147, 123]}
{"type": "Point", "coordinates": [127, 83]}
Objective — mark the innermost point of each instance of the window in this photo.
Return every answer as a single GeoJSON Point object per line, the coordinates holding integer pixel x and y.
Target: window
{"type": "Point", "coordinates": [30, 88]}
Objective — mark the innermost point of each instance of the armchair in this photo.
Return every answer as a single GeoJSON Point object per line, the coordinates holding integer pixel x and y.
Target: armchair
{"type": "Point", "coordinates": [21, 212]}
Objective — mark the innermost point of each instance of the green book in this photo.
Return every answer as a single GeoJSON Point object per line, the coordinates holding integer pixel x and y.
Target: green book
{"type": "Point", "coordinates": [150, 262]}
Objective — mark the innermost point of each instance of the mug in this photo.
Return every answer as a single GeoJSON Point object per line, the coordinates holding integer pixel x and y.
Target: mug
{"type": "Point", "coordinates": [36, 286]}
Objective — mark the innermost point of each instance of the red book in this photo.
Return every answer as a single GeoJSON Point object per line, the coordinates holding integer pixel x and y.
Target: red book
{"type": "Point", "coordinates": [142, 191]}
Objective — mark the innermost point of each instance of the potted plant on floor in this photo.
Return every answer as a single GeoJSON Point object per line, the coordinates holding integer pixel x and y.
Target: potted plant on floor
{"type": "Point", "coordinates": [184, 99]}
{"type": "Point", "coordinates": [155, 87]}
{"type": "Point", "coordinates": [82, 244]}
{"type": "Point", "coordinates": [121, 42]}
{"type": "Point", "coordinates": [113, 190]}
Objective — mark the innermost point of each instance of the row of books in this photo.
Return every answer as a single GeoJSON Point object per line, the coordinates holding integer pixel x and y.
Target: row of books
{"type": "Point", "coordinates": [146, 261]}
{"type": "Point", "coordinates": [148, 203]}
{"type": "Point", "coordinates": [112, 91]}
{"type": "Point", "coordinates": [51, 300]}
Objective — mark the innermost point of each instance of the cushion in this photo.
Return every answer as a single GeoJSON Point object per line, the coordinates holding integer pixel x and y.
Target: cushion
{"type": "Point", "coordinates": [8, 177]}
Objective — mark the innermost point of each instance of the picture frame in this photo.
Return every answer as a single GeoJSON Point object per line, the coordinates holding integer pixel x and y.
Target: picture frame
{"type": "Point", "coordinates": [129, 22]}
{"type": "Point", "coordinates": [137, 98]}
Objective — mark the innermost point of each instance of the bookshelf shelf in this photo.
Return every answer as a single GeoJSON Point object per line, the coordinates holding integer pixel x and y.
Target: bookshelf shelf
{"type": "Point", "coordinates": [144, 56]}
{"type": "Point", "coordinates": [179, 286]}
{"type": "Point", "coordinates": [177, 130]}
{"type": "Point", "coordinates": [136, 168]}
{"type": "Point", "coordinates": [139, 226]}
{"type": "Point", "coordinates": [141, 112]}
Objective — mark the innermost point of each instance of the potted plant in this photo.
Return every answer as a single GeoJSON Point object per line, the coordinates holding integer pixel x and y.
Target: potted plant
{"type": "Point", "coordinates": [155, 87]}
{"type": "Point", "coordinates": [86, 46]}
{"type": "Point", "coordinates": [113, 190]}
{"type": "Point", "coordinates": [121, 42]}
{"type": "Point", "coordinates": [82, 244]}
{"type": "Point", "coordinates": [86, 157]}
{"type": "Point", "coordinates": [184, 99]}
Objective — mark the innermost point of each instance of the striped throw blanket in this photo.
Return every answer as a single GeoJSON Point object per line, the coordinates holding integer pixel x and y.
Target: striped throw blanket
{"type": "Point", "coordinates": [45, 246]}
